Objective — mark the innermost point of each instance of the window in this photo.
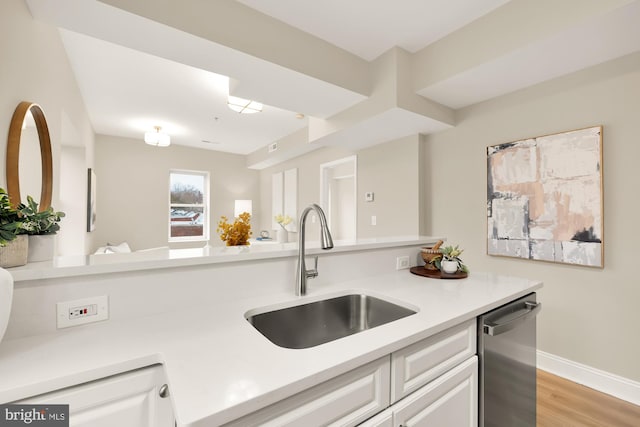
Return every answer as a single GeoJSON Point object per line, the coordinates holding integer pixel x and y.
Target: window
{"type": "Point", "coordinates": [188, 206]}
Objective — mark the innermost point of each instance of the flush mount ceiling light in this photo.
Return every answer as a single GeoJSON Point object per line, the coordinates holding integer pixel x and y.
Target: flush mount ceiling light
{"type": "Point", "coordinates": [243, 106]}
{"type": "Point", "coordinates": [156, 138]}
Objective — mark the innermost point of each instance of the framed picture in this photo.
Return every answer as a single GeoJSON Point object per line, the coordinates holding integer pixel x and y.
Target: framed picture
{"type": "Point", "coordinates": [545, 198]}
{"type": "Point", "coordinates": [91, 200]}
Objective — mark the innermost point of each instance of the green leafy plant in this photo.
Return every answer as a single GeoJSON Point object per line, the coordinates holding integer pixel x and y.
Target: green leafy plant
{"type": "Point", "coordinates": [37, 223]}
{"type": "Point", "coordinates": [10, 220]}
{"type": "Point", "coordinates": [450, 253]}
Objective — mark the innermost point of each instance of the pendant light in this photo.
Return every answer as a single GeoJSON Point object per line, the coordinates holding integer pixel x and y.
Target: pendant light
{"type": "Point", "coordinates": [157, 138]}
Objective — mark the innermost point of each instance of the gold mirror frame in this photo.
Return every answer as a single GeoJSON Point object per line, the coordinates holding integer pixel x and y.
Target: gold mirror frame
{"type": "Point", "coordinates": [13, 154]}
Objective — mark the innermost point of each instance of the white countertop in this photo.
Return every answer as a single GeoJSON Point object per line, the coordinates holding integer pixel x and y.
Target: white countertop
{"type": "Point", "coordinates": [219, 367]}
{"type": "Point", "coordinates": [168, 258]}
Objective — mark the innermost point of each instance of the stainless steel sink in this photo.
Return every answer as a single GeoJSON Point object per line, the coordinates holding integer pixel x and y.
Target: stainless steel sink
{"type": "Point", "coordinates": [318, 322]}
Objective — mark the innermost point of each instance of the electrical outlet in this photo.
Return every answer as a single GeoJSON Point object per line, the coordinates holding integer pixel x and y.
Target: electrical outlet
{"type": "Point", "coordinates": [374, 220]}
{"type": "Point", "coordinates": [79, 312]}
{"type": "Point", "coordinates": [402, 262]}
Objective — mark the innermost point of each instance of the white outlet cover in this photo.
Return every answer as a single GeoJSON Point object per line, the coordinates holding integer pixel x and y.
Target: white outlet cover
{"type": "Point", "coordinates": [402, 262]}
{"type": "Point", "coordinates": [63, 310]}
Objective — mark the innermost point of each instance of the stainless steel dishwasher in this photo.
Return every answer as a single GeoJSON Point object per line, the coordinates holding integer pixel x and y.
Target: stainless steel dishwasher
{"type": "Point", "coordinates": [507, 356]}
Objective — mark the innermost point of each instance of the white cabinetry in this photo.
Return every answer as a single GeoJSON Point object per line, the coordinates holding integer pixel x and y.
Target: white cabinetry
{"type": "Point", "coordinates": [126, 400]}
{"type": "Point", "coordinates": [451, 400]}
{"type": "Point", "coordinates": [433, 382]}
{"type": "Point", "coordinates": [343, 401]}
{"type": "Point", "coordinates": [383, 419]}
{"type": "Point", "coordinates": [417, 364]}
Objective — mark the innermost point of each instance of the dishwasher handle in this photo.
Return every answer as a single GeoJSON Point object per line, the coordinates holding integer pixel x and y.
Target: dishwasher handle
{"type": "Point", "coordinates": [530, 311]}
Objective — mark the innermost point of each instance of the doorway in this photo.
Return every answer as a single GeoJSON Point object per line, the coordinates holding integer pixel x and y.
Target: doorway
{"type": "Point", "coordinates": [338, 190]}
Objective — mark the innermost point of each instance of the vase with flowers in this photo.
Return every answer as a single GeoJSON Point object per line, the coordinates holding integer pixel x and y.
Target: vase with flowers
{"type": "Point", "coordinates": [236, 233]}
{"type": "Point", "coordinates": [282, 233]}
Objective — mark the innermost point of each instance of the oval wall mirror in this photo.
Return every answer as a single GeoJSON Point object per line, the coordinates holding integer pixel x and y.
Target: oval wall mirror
{"type": "Point", "coordinates": [27, 115]}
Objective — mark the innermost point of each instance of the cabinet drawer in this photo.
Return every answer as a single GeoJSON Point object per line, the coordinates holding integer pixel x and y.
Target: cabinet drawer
{"type": "Point", "coordinates": [343, 401]}
{"type": "Point", "coordinates": [125, 400]}
{"type": "Point", "coordinates": [416, 365]}
{"type": "Point", "coordinates": [451, 400]}
{"type": "Point", "coordinates": [383, 419]}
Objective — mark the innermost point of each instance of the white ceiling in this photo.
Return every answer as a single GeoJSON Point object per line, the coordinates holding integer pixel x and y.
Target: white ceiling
{"type": "Point", "coordinates": [128, 92]}
{"type": "Point", "coordinates": [368, 28]}
{"type": "Point", "coordinates": [138, 65]}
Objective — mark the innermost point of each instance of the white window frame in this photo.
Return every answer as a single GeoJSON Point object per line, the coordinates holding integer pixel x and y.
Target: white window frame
{"type": "Point", "coordinates": [204, 206]}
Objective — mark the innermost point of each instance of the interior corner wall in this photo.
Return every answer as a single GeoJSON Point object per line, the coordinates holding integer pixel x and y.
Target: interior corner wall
{"type": "Point", "coordinates": [35, 68]}
{"type": "Point", "coordinates": [133, 190]}
{"type": "Point", "coordinates": [589, 315]}
{"type": "Point", "coordinates": [389, 170]}
{"type": "Point", "coordinates": [308, 184]}
{"type": "Point", "coordinates": [392, 172]}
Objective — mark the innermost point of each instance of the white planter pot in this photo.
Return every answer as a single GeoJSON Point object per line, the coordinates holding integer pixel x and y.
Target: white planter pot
{"type": "Point", "coordinates": [15, 252]}
{"type": "Point", "coordinates": [282, 235]}
{"type": "Point", "coordinates": [6, 296]}
{"type": "Point", "coordinates": [41, 248]}
{"type": "Point", "coordinates": [449, 266]}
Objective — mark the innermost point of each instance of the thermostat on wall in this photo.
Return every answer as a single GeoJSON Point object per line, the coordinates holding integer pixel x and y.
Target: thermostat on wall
{"type": "Point", "coordinates": [368, 196]}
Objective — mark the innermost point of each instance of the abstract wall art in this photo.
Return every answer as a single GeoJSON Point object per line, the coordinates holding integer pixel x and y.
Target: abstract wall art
{"type": "Point", "coordinates": [545, 198]}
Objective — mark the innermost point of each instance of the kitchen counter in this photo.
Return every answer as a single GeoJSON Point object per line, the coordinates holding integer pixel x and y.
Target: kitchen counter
{"type": "Point", "coordinates": [219, 367]}
{"type": "Point", "coordinates": [155, 258]}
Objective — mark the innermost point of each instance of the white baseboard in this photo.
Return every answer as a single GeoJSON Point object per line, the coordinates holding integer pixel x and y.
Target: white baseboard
{"type": "Point", "coordinates": [605, 382]}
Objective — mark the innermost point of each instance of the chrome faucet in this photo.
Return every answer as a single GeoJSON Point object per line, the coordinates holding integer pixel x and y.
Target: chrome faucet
{"type": "Point", "coordinates": [326, 242]}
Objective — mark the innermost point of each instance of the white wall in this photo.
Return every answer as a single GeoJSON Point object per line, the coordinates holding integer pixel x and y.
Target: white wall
{"type": "Point", "coordinates": [35, 68]}
{"type": "Point", "coordinates": [133, 190]}
{"type": "Point", "coordinates": [390, 170]}
{"type": "Point", "coordinates": [590, 316]}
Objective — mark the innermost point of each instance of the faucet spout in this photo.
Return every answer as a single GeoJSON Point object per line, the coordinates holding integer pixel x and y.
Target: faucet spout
{"type": "Point", "coordinates": [326, 242]}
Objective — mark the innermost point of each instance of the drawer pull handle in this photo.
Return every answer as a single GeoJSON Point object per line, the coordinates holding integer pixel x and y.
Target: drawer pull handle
{"type": "Point", "coordinates": [164, 391]}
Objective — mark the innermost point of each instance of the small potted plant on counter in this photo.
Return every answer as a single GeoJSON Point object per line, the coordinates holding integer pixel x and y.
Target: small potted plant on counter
{"type": "Point", "coordinates": [450, 262]}
{"type": "Point", "coordinates": [14, 244]}
{"type": "Point", "coordinates": [41, 226]}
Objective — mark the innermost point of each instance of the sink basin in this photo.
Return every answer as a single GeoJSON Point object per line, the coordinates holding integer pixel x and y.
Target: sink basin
{"type": "Point", "coordinates": [318, 322]}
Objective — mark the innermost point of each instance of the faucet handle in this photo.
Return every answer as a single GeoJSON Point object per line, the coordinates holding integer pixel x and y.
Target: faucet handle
{"type": "Point", "coordinates": [314, 271]}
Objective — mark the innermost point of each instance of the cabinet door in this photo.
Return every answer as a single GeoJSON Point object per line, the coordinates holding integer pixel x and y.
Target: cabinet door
{"type": "Point", "coordinates": [451, 400]}
{"type": "Point", "coordinates": [383, 419]}
{"type": "Point", "coordinates": [125, 400]}
{"type": "Point", "coordinates": [416, 365]}
{"type": "Point", "coordinates": [342, 401]}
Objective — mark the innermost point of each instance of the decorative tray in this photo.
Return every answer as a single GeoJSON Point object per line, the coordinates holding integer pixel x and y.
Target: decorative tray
{"type": "Point", "coordinates": [437, 274]}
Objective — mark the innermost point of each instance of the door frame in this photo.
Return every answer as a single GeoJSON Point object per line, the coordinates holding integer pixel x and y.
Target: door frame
{"type": "Point", "coordinates": [325, 169]}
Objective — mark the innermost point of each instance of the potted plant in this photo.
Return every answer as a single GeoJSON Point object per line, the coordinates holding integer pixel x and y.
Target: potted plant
{"type": "Point", "coordinates": [41, 227]}
{"type": "Point", "coordinates": [450, 261]}
{"type": "Point", "coordinates": [14, 244]}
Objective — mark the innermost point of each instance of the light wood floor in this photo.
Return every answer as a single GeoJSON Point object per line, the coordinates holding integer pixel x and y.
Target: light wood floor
{"type": "Point", "coordinates": [562, 403]}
